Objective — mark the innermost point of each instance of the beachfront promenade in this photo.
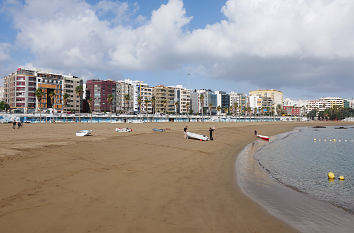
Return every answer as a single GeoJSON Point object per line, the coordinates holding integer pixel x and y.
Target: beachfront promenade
{"type": "Point", "coordinates": [107, 118]}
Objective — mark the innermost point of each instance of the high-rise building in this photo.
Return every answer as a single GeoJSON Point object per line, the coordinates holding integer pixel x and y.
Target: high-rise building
{"type": "Point", "coordinates": [203, 101]}
{"type": "Point", "coordinates": [238, 101]}
{"type": "Point", "coordinates": [98, 92]}
{"type": "Point", "coordinates": [271, 98]}
{"type": "Point", "coordinates": [164, 99]}
{"type": "Point", "coordinates": [19, 89]}
{"type": "Point", "coordinates": [182, 99]}
{"type": "Point", "coordinates": [52, 87]}
{"type": "Point", "coordinates": [223, 100]}
{"type": "Point", "coordinates": [1, 93]}
{"type": "Point", "coordinates": [124, 96]}
{"type": "Point", "coordinates": [73, 102]}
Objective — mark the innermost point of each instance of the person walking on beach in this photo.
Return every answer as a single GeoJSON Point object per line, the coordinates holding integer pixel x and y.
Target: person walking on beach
{"type": "Point", "coordinates": [255, 133]}
{"type": "Point", "coordinates": [211, 133]}
{"type": "Point", "coordinates": [19, 124]}
{"type": "Point", "coordinates": [185, 132]}
{"type": "Point", "coordinates": [14, 125]}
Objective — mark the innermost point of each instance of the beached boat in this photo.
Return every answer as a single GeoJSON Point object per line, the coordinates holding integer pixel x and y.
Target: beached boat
{"type": "Point", "coordinates": [265, 138]}
{"type": "Point", "coordinates": [158, 130]}
{"type": "Point", "coordinates": [197, 136]}
{"type": "Point", "coordinates": [123, 130]}
{"type": "Point", "coordinates": [85, 132]}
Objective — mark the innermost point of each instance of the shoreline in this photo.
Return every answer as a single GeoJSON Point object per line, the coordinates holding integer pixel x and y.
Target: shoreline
{"type": "Point", "coordinates": [304, 213]}
{"type": "Point", "coordinates": [136, 182]}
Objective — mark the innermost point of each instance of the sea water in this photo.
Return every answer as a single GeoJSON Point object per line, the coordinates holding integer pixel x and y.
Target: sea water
{"type": "Point", "coordinates": [288, 176]}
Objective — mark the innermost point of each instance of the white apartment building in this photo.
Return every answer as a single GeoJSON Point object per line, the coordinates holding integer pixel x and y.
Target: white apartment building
{"type": "Point", "coordinates": [255, 103]}
{"type": "Point", "coordinates": [324, 103]}
{"type": "Point", "coordinates": [133, 89]}
{"type": "Point", "coordinates": [183, 98]}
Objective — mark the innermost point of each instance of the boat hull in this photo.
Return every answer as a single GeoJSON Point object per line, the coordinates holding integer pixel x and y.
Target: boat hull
{"type": "Point", "coordinates": [197, 136]}
{"type": "Point", "coordinates": [265, 138]}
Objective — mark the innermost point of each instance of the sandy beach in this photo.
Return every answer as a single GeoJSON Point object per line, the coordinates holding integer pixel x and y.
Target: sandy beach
{"type": "Point", "coordinates": [144, 181]}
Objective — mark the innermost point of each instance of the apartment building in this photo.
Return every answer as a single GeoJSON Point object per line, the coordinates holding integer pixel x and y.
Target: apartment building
{"type": "Point", "coordinates": [203, 101]}
{"type": "Point", "coordinates": [74, 101]}
{"type": "Point", "coordinates": [145, 93]}
{"type": "Point", "coordinates": [98, 92]}
{"type": "Point", "coordinates": [164, 99]}
{"type": "Point", "coordinates": [19, 90]}
{"type": "Point", "coordinates": [182, 99]}
{"type": "Point", "coordinates": [324, 103]}
{"type": "Point", "coordinates": [271, 98]}
{"type": "Point", "coordinates": [124, 96]}
{"type": "Point", "coordinates": [255, 103]}
{"type": "Point", "coordinates": [238, 99]}
{"type": "Point", "coordinates": [222, 99]}
{"type": "Point", "coordinates": [2, 93]}
{"type": "Point", "coordinates": [52, 87]}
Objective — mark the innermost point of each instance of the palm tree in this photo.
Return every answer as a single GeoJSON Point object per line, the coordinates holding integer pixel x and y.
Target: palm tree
{"type": "Point", "coordinates": [218, 108]}
{"type": "Point", "coordinates": [202, 104]}
{"type": "Point", "coordinates": [187, 106]}
{"type": "Point", "coordinates": [110, 101]}
{"type": "Point", "coordinates": [140, 100]}
{"type": "Point", "coordinates": [164, 104]}
{"type": "Point", "coordinates": [225, 110]}
{"type": "Point", "coordinates": [52, 98]}
{"type": "Point", "coordinates": [146, 101]}
{"type": "Point", "coordinates": [210, 106]}
{"type": "Point", "coordinates": [153, 102]}
{"type": "Point", "coordinates": [126, 100]}
{"type": "Point", "coordinates": [235, 107]}
{"type": "Point", "coordinates": [176, 107]}
{"type": "Point", "coordinates": [79, 91]}
{"type": "Point", "coordinates": [65, 99]}
{"type": "Point", "coordinates": [90, 102]}
{"type": "Point", "coordinates": [39, 95]}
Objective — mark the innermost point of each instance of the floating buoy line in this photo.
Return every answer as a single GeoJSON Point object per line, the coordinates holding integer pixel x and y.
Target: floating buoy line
{"type": "Point", "coordinates": [331, 176]}
{"type": "Point", "coordinates": [333, 140]}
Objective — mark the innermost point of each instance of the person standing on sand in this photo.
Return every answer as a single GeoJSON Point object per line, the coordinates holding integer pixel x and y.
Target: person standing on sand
{"type": "Point", "coordinates": [185, 132]}
{"type": "Point", "coordinates": [255, 133]}
{"type": "Point", "coordinates": [14, 124]}
{"type": "Point", "coordinates": [211, 133]}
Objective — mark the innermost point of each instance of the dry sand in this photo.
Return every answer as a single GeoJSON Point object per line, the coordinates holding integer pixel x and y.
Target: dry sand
{"type": "Point", "coordinates": [144, 181]}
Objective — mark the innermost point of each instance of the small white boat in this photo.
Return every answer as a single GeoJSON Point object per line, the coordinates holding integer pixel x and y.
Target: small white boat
{"type": "Point", "coordinates": [123, 130]}
{"type": "Point", "coordinates": [158, 130]}
{"type": "Point", "coordinates": [197, 136]}
{"type": "Point", "coordinates": [82, 133]}
{"type": "Point", "coordinates": [265, 138]}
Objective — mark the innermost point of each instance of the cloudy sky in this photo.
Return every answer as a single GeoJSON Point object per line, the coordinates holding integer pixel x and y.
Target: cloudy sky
{"type": "Point", "coordinates": [303, 47]}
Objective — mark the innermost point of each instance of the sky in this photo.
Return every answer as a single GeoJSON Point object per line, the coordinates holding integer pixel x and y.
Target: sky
{"type": "Point", "coordinates": [301, 47]}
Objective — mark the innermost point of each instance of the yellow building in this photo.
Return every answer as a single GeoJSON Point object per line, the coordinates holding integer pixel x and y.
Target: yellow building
{"type": "Point", "coordinates": [276, 96]}
{"type": "Point", "coordinates": [164, 99]}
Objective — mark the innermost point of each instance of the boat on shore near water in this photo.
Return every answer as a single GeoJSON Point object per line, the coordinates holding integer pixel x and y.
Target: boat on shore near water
{"type": "Point", "coordinates": [158, 130]}
{"type": "Point", "coordinates": [123, 130]}
{"type": "Point", "coordinates": [265, 138]}
{"type": "Point", "coordinates": [197, 136]}
{"type": "Point", "coordinates": [82, 133]}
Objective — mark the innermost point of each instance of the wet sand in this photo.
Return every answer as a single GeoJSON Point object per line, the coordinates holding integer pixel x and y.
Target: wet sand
{"type": "Point", "coordinates": [144, 181]}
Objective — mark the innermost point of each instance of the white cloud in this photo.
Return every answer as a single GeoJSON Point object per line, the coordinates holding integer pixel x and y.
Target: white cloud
{"type": "Point", "coordinates": [278, 42]}
{"type": "Point", "coordinates": [4, 52]}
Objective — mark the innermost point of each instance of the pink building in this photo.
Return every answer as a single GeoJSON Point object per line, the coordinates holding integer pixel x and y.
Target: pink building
{"type": "Point", "coordinates": [19, 89]}
{"type": "Point", "coordinates": [98, 91]}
